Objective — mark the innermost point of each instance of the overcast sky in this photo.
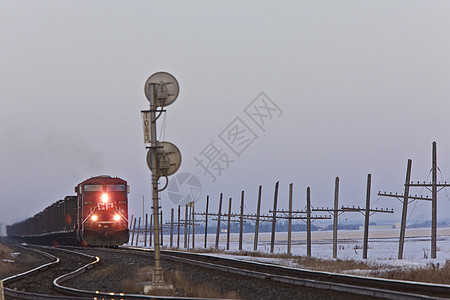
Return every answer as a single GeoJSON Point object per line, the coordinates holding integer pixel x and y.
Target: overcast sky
{"type": "Point", "coordinates": [349, 87]}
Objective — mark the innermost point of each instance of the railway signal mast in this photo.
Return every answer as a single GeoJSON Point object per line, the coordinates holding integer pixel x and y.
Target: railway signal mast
{"type": "Point", "coordinates": [163, 158]}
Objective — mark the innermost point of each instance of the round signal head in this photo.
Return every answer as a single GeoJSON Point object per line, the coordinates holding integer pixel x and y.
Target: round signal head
{"type": "Point", "coordinates": [168, 159]}
{"type": "Point", "coordinates": [161, 89]}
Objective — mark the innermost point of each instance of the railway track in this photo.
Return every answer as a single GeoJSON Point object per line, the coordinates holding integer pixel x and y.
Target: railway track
{"type": "Point", "coordinates": [47, 281]}
{"type": "Point", "coordinates": [249, 279]}
{"type": "Point", "coordinates": [24, 285]}
{"type": "Point", "coordinates": [346, 284]}
{"type": "Point", "coordinates": [373, 287]}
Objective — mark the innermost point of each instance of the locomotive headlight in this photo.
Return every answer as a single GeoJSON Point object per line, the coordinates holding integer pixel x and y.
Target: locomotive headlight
{"type": "Point", "coordinates": [94, 218]}
{"type": "Point", "coordinates": [116, 218]}
{"type": "Point", "coordinates": [105, 198]}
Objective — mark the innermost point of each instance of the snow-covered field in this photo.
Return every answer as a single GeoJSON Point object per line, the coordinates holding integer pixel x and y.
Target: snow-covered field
{"type": "Point", "coordinates": [383, 245]}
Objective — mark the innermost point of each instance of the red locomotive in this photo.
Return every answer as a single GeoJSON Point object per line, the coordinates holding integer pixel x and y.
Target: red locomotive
{"type": "Point", "coordinates": [96, 216]}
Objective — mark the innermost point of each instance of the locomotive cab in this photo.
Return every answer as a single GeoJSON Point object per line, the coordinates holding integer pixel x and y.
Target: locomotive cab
{"type": "Point", "coordinates": [102, 211]}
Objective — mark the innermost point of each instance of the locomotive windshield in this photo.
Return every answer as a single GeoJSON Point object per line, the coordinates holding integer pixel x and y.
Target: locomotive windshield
{"type": "Point", "coordinates": [93, 187]}
{"type": "Point", "coordinates": [116, 187]}
{"type": "Point", "coordinates": [109, 188]}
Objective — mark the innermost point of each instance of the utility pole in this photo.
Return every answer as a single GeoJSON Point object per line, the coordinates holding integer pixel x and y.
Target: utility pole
{"type": "Point", "coordinates": [434, 185]}
{"type": "Point", "coordinates": [335, 217]}
{"type": "Point", "coordinates": [404, 210]}
{"type": "Point", "coordinates": [218, 222]}
{"type": "Point", "coordinates": [178, 227]}
{"type": "Point", "coordinates": [366, 217]}
{"type": "Point", "coordinates": [229, 224]}
{"type": "Point", "coordinates": [367, 212]}
{"type": "Point", "coordinates": [299, 215]}
{"type": "Point", "coordinates": [186, 216]}
{"type": "Point", "coordinates": [171, 228]}
{"type": "Point", "coordinates": [308, 222]}
{"type": "Point", "coordinates": [258, 213]}
{"type": "Point", "coordinates": [434, 202]}
{"type": "Point", "coordinates": [291, 186]}
{"type": "Point", "coordinates": [193, 224]}
{"type": "Point", "coordinates": [236, 218]}
{"type": "Point", "coordinates": [336, 211]}
{"type": "Point", "coordinates": [206, 221]}
{"type": "Point", "coordinates": [274, 218]}
{"type": "Point", "coordinates": [241, 222]}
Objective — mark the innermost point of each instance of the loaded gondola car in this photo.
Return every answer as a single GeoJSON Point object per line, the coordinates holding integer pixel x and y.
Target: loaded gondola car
{"type": "Point", "coordinates": [96, 216]}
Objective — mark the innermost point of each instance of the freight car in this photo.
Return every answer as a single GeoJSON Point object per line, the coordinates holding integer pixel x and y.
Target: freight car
{"type": "Point", "coordinates": [96, 216]}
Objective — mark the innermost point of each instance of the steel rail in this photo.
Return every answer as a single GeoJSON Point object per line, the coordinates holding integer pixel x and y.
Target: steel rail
{"type": "Point", "coordinates": [366, 286]}
{"type": "Point", "coordinates": [312, 283]}
{"type": "Point", "coordinates": [78, 293]}
{"type": "Point", "coordinates": [359, 285]}
{"type": "Point", "coordinates": [97, 294]}
{"type": "Point", "coordinates": [45, 266]}
{"type": "Point", "coordinates": [29, 273]}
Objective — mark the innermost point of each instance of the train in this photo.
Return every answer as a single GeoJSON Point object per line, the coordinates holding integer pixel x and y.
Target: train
{"type": "Point", "coordinates": [96, 216]}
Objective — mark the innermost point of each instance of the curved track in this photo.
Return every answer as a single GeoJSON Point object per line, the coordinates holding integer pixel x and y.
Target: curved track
{"type": "Point", "coordinates": [56, 272]}
{"type": "Point", "coordinates": [258, 273]}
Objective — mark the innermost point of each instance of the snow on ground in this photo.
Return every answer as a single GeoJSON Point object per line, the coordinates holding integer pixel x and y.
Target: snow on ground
{"type": "Point", "coordinates": [383, 246]}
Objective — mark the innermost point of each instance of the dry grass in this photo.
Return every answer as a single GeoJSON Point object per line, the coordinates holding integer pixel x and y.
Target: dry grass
{"type": "Point", "coordinates": [5, 252]}
{"type": "Point", "coordinates": [197, 289]}
{"type": "Point", "coordinates": [142, 275]}
{"type": "Point", "coordinates": [182, 285]}
{"type": "Point", "coordinates": [432, 273]}
{"type": "Point", "coordinates": [310, 263]}
{"type": "Point", "coordinates": [334, 266]}
{"type": "Point", "coordinates": [109, 270]}
{"type": "Point", "coordinates": [23, 261]}
{"type": "Point", "coordinates": [6, 267]}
